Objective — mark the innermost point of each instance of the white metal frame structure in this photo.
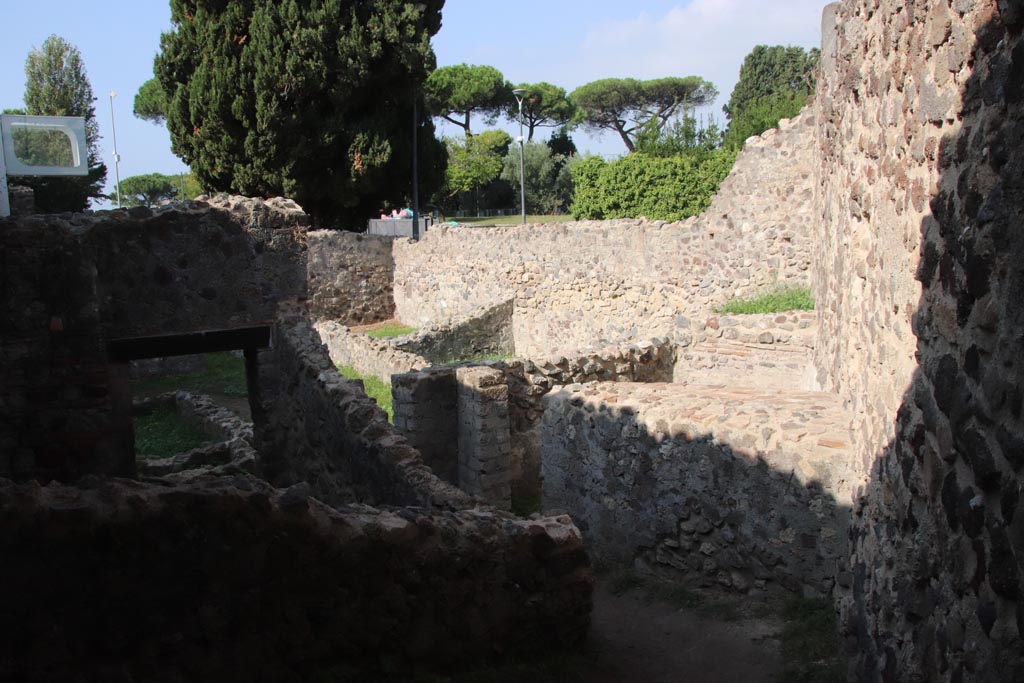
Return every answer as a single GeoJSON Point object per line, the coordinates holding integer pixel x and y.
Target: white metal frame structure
{"type": "Point", "coordinates": [71, 126]}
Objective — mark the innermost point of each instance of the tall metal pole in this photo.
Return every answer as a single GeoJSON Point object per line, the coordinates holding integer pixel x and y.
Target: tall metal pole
{"type": "Point", "coordinates": [415, 169]}
{"type": "Point", "coordinates": [519, 93]}
{"type": "Point", "coordinates": [117, 157]}
{"type": "Point", "coordinates": [5, 203]}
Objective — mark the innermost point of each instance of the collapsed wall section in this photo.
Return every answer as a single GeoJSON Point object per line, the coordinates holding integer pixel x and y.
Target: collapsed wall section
{"type": "Point", "coordinates": [920, 287]}
{"type": "Point", "coordinates": [593, 282]}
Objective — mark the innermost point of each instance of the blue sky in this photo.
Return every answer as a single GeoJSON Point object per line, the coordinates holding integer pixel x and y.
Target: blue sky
{"type": "Point", "coordinates": [565, 42]}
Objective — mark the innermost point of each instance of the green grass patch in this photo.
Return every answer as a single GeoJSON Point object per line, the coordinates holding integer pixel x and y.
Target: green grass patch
{"type": "Point", "coordinates": [774, 302]}
{"type": "Point", "coordinates": [224, 374]}
{"type": "Point", "coordinates": [389, 330]}
{"type": "Point", "coordinates": [375, 389]}
{"type": "Point", "coordinates": [162, 432]}
{"type": "Point", "coordinates": [810, 643]}
{"type": "Point", "coordinates": [512, 220]}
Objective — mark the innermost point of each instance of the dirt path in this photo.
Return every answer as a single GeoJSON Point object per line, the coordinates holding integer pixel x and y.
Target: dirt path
{"type": "Point", "coordinates": [639, 637]}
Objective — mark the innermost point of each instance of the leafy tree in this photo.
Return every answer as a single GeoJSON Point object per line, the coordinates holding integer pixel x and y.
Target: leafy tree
{"type": "Point", "coordinates": [455, 93]}
{"type": "Point", "coordinates": [149, 190]}
{"type": "Point", "coordinates": [56, 85]}
{"type": "Point", "coordinates": [541, 169]}
{"type": "Point", "coordinates": [150, 102]}
{"type": "Point", "coordinates": [476, 161]}
{"type": "Point", "coordinates": [774, 83]}
{"type": "Point", "coordinates": [685, 136]}
{"type": "Point", "coordinates": [626, 105]}
{"type": "Point", "coordinates": [544, 106]}
{"type": "Point", "coordinates": [309, 99]}
{"type": "Point", "coordinates": [561, 142]}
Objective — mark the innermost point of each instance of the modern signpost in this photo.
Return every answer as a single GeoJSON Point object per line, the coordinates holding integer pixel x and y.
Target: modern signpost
{"type": "Point", "coordinates": [40, 146]}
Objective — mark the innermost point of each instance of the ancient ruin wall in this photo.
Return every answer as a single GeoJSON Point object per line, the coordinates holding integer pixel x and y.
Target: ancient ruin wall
{"type": "Point", "coordinates": [313, 425]}
{"type": "Point", "coordinates": [578, 284]}
{"type": "Point", "coordinates": [350, 277]}
{"type": "Point", "coordinates": [229, 579]}
{"type": "Point", "coordinates": [919, 281]}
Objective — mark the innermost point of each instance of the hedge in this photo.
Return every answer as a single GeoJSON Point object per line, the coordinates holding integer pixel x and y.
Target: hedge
{"type": "Point", "coordinates": [668, 189]}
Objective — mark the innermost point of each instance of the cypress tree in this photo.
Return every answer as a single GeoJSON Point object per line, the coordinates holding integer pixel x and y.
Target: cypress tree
{"type": "Point", "coordinates": [310, 99]}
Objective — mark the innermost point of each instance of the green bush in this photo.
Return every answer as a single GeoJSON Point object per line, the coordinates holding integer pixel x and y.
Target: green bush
{"type": "Point", "coordinates": [668, 189]}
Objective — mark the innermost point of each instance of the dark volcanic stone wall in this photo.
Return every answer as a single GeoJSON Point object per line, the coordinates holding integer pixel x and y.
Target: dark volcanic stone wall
{"type": "Point", "coordinates": [919, 275]}
{"type": "Point", "coordinates": [228, 579]}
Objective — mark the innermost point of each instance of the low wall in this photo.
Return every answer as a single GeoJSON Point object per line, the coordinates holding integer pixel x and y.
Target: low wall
{"type": "Point", "coordinates": [577, 284]}
{"type": "Point", "coordinates": [313, 425]}
{"type": "Point", "coordinates": [735, 488]}
{"type": "Point", "coordinates": [427, 412]}
{"type": "Point", "coordinates": [229, 579]}
{"type": "Point", "coordinates": [350, 277]}
{"type": "Point", "coordinates": [481, 333]}
{"type": "Point", "coordinates": [773, 350]}
{"type": "Point", "coordinates": [368, 356]}
{"type": "Point", "coordinates": [231, 452]}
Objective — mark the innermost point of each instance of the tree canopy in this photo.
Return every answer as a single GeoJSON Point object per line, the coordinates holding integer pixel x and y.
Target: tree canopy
{"type": "Point", "coordinates": [476, 160]}
{"type": "Point", "coordinates": [456, 93]}
{"type": "Point", "coordinates": [544, 105]}
{"type": "Point", "coordinates": [150, 102]}
{"type": "Point", "coordinates": [312, 100]}
{"type": "Point", "coordinates": [152, 188]}
{"type": "Point", "coordinates": [774, 83]}
{"type": "Point", "coordinates": [626, 105]}
{"type": "Point", "coordinates": [56, 85]}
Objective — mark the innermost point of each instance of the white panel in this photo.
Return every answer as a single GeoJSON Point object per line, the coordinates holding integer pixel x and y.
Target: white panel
{"type": "Point", "coordinates": [44, 145]}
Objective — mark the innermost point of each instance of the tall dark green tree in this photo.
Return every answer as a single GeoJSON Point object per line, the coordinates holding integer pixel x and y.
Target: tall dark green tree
{"type": "Point", "coordinates": [775, 83]}
{"type": "Point", "coordinates": [310, 99]}
{"type": "Point", "coordinates": [56, 85]}
{"type": "Point", "coordinates": [626, 105]}
{"type": "Point", "coordinates": [457, 93]}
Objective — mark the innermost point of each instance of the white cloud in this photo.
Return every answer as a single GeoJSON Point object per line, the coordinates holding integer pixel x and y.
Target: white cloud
{"type": "Point", "coordinates": [707, 38]}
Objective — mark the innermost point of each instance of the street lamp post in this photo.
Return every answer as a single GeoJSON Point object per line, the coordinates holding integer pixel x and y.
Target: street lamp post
{"type": "Point", "coordinates": [420, 7]}
{"type": "Point", "coordinates": [519, 92]}
{"type": "Point", "coordinates": [117, 157]}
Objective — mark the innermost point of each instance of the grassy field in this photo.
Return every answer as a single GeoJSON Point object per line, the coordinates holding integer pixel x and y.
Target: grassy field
{"type": "Point", "coordinates": [511, 220]}
{"type": "Point", "coordinates": [162, 433]}
{"type": "Point", "coordinates": [225, 374]}
{"type": "Point", "coordinates": [774, 302]}
{"type": "Point", "coordinates": [375, 389]}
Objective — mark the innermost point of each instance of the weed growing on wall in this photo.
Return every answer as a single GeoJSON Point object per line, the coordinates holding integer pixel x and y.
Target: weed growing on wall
{"type": "Point", "coordinates": [773, 302]}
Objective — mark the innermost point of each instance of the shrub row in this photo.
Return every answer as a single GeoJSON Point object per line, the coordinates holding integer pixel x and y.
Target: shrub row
{"type": "Point", "coordinates": [668, 189]}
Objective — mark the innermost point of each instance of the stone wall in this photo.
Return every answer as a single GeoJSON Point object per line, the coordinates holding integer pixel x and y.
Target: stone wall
{"type": "Point", "coordinates": [313, 425]}
{"type": "Point", "coordinates": [350, 277]}
{"type": "Point", "coordinates": [227, 578]}
{"type": "Point", "coordinates": [773, 350]}
{"type": "Point", "coordinates": [72, 283]}
{"type": "Point", "coordinates": [230, 452]}
{"type": "Point", "coordinates": [368, 356]}
{"type": "Point", "coordinates": [482, 333]}
{"type": "Point", "coordinates": [918, 276]}
{"type": "Point", "coordinates": [59, 402]}
{"type": "Point", "coordinates": [586, 283]}
{"type": "Point", "coordinates": [725, 487]}
{"type": "Point", "coordinates": [192, 266]}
